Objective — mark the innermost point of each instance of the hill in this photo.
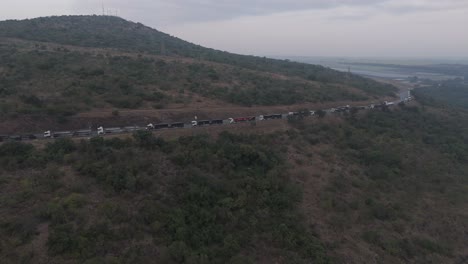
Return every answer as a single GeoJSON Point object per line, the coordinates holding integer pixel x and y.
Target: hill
{"type": "Point", "coordinates": [60, 66]}
{"type": "Point", "coordinates": [114, 32]}
{"type": "Point", "coordinates": [378, 187]}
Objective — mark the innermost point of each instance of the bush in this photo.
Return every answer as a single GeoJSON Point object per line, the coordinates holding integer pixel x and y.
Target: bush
{"type": "Point", "coordinates": [432, 246]}
{"type": "Point", "coordinates": [17, 155]}
{"type": "Point", "coordinates": [59, 148]}
{"type": "Point", "coordinates": [62, 240]}
{"type": "Point", "coordinates": [146, 140]}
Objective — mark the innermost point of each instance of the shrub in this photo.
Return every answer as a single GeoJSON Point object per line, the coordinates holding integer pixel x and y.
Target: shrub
{"type": "Point", "coordinates": [17, 155]}
{"type": "Point", "coordinates": [62, 239]}
{"type": "Point", "coordinates": [59, 148]}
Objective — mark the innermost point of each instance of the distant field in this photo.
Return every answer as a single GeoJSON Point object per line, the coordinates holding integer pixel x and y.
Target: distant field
{"type": "Point", "coordinates": [434, 69]}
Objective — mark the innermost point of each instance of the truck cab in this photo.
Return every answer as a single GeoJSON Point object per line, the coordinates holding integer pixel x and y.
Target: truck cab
{"type": "Point", "coordinates": [100, 130]}
{"type": "Point", "coordinates": [47, 134]}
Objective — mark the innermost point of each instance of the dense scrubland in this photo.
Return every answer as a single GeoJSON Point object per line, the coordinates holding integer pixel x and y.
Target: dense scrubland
{"type": "Point", "coordinates": [63, 82]}
{"type": "Point", "coordinates": [386, 187]}
{"type": "Point", "coordinates": [194, 200]}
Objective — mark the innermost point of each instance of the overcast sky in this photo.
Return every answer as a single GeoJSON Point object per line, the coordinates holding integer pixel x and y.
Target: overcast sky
{"type": "Point", "coordinates": [371, 28]}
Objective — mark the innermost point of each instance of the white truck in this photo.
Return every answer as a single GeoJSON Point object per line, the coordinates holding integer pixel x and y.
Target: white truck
{"type": "Point", "coordinates": [47, 134]}
{"type": "Point", "coordinates": [50, 134]}
{"type": "Point", "coordinates": [113, 130]}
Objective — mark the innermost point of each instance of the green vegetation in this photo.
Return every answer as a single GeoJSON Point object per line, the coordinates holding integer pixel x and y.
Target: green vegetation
{"type": "Point", "coordinates": [453, 93]}
{"type": "Point", "coordinates": [194, 200]}
{"type": "Point", "coordinates": [388, 181]}
{"type": "Point", "coordinates": [389, 173]}
{"type": "Point", "coordinates": [114, 32]}
{"type": "Point", "coordinates": [128, 70]}
{"type": "Point", "coordinates": [70, 85]}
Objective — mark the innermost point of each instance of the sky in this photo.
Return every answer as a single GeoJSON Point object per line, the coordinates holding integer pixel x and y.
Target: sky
{"type": "Point", "coordinates": [337, 28]}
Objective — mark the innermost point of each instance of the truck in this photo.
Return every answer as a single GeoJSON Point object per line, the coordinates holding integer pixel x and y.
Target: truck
{"type": "Point", "coordinates": [29, 137]}
{"type": "Point", "coordinates": [62, 134]}
{"type": "Point", "coordinates": [47, 134]}
{"type": "Point", "coordinates": [177, 125]}
{"type": "Point", "coordinates": [341, 109]}
{"type": "Point", "coordinates": [82, 133]}
{"type": "Point", "coordinates": [132, 128]}
{"type": "Point", "coordinates": [161, 126]}
{"type": "Point", "coordinates": [15, 138]}
{"type": "Point", "coordinates": [217, 122]}
{"type": "Point", "coordinates": [203, 122]}
{"type": "Point", "coordinates": [241, 119]}
{"type": "Point", "coordinates": [273, 116]}
{"type": "Point", "coordinates": [113, 130]}
{"type": "Point", "coordinates": [149, 126]}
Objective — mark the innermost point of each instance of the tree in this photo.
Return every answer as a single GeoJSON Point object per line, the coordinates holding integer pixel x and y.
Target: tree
{"type": "Point", "coordinates": [321, 113]}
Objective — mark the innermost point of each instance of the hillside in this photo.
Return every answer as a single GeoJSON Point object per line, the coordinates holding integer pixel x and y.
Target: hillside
{"type": "Point", "coordinates": [61, 66]}
{"type": "Point", "coordinates": [377, 187]}
{"type": "Point", "coordinates": [114, 32]}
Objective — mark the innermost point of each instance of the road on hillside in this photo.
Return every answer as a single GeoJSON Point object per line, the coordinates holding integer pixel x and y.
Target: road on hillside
{"type": "Point", "coordinates": [405, 96]}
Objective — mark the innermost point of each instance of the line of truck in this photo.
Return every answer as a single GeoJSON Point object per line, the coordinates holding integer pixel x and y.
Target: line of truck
{"type": "Point", "coordinates": [101, 131]}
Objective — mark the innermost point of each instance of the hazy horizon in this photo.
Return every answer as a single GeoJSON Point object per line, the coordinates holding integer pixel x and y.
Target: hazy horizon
{"type": "Point", "coordinates": [389, 29]}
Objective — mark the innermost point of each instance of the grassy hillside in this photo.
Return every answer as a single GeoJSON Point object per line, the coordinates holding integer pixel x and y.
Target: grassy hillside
{"type": "Point", "coordinates": [384, 187]}
{"type": "Point", "coordinates": [36, 78]}
{"type": "Point", "coordinates": [389, 187]}
{"type": "Point", "coordinates": [114, 32]}
{"type": "Point", "coordinates": [141, 76]}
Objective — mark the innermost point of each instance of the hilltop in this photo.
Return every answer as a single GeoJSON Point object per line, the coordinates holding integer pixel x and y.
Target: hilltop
{"type": "Point", "coordinates": [57, 67]}
{"type": "Point", "coordinates": [115, 32]}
